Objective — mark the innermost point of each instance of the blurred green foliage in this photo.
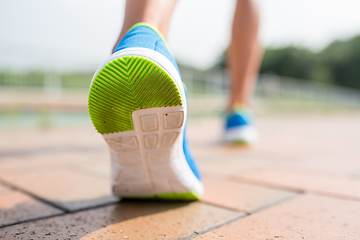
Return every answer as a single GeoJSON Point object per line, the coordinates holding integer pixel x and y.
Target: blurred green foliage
{"type": "Point", "coordinates": [341, 59]}
{"type": "Point", "coordinates": [74, 80]}
{"type": "Point", "coordinates": [338, 63]}
{"type": "Point", "coordinates": [289, 61]}
{"type": "Point", "coordinates": [10, 78]}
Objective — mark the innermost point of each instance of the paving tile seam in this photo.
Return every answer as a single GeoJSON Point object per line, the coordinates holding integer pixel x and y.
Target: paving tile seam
{"type": "Point", "coordinates": [46, 202]}
{"type": "Point", "coordinates": [212, 227]}
{"type": "Point", "coordinates": [60, 214]}
{"type": "Point", "coordinates": [245, 214]}
{"type": "Point", "coordinates": [250, 181]}
{"type": "Point", "coordinates": [32, 220]}
{"type": "Point", "coordinates": [292, 189]}
{"type": "Point", "coordinates": [296, 195]}
{"type": "Point", "coordinates": [333, 195]}
{"type": "Point", "coordinates": [221, 206]}
{"type": "Point", "coordinates": [257, 210]}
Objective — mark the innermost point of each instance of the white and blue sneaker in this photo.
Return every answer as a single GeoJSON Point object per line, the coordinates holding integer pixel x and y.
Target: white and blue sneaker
{"type": "Point", "coordinates": [239, 127]}
{"type": "Point", "coordinates": [138, 103]}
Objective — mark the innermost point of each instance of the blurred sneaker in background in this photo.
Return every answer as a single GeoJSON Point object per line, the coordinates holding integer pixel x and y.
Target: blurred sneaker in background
{"type": "Point", "coordinates": [239, 127]}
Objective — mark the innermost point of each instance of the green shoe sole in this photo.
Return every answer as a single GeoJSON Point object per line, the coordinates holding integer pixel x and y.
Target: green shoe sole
{"type": "Point", "coordinates": [127, 84]}
{"type": "Point", "coordinates": [186, 197]}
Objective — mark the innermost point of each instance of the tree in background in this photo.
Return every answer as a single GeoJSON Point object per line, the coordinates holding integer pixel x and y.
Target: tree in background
{"type": "Point", "coordinates": [338, 63]}
{"type": "Point", "coordinates": [341, 59]}
{"type": "Point", "coordinates": [289, 61]}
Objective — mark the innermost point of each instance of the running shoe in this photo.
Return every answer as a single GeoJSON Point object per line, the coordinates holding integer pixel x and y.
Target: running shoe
{"type": "Point", "coordinates": [138, 103]}
{"type": "Point", "coordinates": [239, 127]}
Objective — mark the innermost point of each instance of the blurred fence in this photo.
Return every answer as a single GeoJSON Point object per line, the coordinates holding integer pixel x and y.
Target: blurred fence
{"type": "Point", "coordinates": [272, 86]}
{"type": "Point", "coordinates": [47, 82]}
{"type": "Point", "coordinates": [214, 82]}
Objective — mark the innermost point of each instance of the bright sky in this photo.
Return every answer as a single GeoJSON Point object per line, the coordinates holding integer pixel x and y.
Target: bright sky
{"type": "Point", "coordinates": [78, 34]}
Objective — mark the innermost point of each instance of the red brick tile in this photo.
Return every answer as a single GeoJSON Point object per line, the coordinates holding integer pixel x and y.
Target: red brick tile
{"type": "Point", "coordinates": [136, 220]}
{"type": "Point", "coordinates": [318, 136]}
{"type": "Point", "coordinates": [70, 188]}
{"type": "Point", "coordinates": [29, 164]}
{"type": "Point", "coordinates": [241, 196]}
{"type": "Point", "coordinates": [17, 140]}
{"type": "Point", "coordinates": [95, 163]}
{"type": "Point", "coordinates": [304, 217]}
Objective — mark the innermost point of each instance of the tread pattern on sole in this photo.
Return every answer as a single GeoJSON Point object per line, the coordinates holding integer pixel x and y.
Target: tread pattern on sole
{"type": "Point", "coordinates": [127, 84]}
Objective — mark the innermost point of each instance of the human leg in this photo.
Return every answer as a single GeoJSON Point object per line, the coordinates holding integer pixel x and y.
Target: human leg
{"type": "Point", "coordinates": [157, 13]}
{"type": "Point", "coordinates": [245, 53]}
{"type": "Point", "coordinates": [244, 59]}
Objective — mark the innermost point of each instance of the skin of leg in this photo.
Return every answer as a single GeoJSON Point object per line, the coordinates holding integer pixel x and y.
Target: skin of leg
{"type": "Point", "coordinates": [154, 12]}
{"type": "Point", "coordinates": [244, 53]}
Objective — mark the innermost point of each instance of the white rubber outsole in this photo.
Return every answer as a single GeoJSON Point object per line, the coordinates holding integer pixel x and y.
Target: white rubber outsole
{"type": "Point", "coordinates": [243, 134]}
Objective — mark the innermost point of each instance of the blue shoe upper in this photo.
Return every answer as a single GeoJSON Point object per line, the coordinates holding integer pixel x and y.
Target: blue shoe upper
{"type": "Point", "coordinates": [188, 155]}
{"type": "Point", "coordinates": [239, 118]}
{"type": "Point", "coordinates": [145, 36]}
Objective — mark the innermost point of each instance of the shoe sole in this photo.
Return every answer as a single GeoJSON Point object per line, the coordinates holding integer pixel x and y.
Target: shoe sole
{"type": "Point", "coordinates": [140, 110]}
{"type": "Point", "coordinates": [244, 135]}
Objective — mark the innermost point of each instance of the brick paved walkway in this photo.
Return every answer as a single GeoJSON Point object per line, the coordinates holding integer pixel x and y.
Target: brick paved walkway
{"type": "Point", "coordinates": [301, 181]}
